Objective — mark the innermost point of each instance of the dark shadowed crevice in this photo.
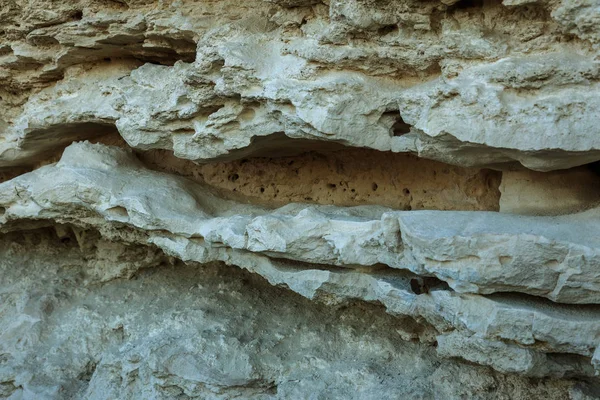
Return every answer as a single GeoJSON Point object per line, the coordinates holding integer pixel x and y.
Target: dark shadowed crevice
{"type": "Point", "coordinates": [466, 4]}
{"type": "Point", "coordinates": [427, 284]}
{"type": "Point", "coordinates": [164, 54]}
{"type": "Point", "coordinates": [386, 30]}
{"type": "Point", "coordinates": [400, 127]}
{"type": "Point", "coordinates": [278, 145]}
{"type": "Point", "coordinates": [40, 147]}
{"type": "Point", "coordinates": [594, 167]}
{"type": "Point", "coordinates": [66, 133]}
{"type": "Point", "coordinates": [546, 306]}
{"type": "Point", "coordinates": [397, 125]}
{"type": "Point", "coordinates": [77, 15]}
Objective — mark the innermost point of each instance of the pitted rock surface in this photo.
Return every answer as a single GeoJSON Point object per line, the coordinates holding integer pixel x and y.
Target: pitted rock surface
{"type": "Point", "coordinates": [300, 199]}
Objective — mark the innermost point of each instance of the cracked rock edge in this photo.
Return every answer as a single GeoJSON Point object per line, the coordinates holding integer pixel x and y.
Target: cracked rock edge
{"type": "Point", "coordinates": [368, 253]}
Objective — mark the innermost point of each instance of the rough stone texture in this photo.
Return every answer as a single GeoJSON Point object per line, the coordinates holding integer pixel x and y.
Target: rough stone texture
{"type": "Point", "coordinates": [562, 192]}
{"type": "Point", "coordinates": [344, 178]}
{"type": "Point", "coordinates": [480, 83]}
{"type": "Point", "coordinates": [209, 332]}
{"type": "Point", "coordinates": [107, 189]}
{"type": "Point", "coordinates": [289, 199]}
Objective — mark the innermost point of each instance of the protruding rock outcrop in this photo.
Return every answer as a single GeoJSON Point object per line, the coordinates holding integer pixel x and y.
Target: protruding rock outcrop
{"type": "Point", "coordinates": [470, 254]}
{"type": "Point", "coordinates": [410, 85]}
{"type": "Point", "coordinates": [299, 198]}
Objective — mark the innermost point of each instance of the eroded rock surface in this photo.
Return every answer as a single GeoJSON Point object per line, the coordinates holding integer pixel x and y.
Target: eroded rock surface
{"type": "Point", "coordinates": [208, 331]}
{"type": "Point", "coordinates": [470, 83]}
{"type": "Point", "coordinates": [344, 178]}
{"type": "Point", "coordinates": [285, 199]}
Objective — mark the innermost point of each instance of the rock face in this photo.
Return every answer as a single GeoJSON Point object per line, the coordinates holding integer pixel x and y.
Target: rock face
{"type": "Point", "coordinates": [300, 199]}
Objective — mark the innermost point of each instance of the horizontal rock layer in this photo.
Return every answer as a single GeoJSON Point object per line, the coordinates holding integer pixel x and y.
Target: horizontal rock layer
{"type": "Point", "coordinates": [366, 253]}
{"type": "Point", "coordinates": [428, 78]}
{"type": "Point", "coordinates": [299, 199]}
{"type": "Point", "coordinates": [66, 334]}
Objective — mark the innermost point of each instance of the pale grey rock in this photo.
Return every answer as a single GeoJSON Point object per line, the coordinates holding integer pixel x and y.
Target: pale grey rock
{"type": "Point", "coordinates": [123, 286]}
{"type": "Point", "coordinates": [93, 186]}
{"type": "Point", "coordinates": [519, 95]}
{"type": "Point", "coordinates": [175, 331]}
{"type": "Point", "coordinates": [579, 18]}
{"type": "Point", "coordinates": [501, 250]}
{"type": "Point", "coordinates": [156, 108]}
{"type": "Point", "coordinates": [474, 252]}
{"type": "Point", "coordinates": [493, 109]}
{"type": "Point", "coordinates": [486, 110]}
{"type": "Point", "coordinates": [508, 358]}
{"type": "Point", "coordinates": [596, 359]}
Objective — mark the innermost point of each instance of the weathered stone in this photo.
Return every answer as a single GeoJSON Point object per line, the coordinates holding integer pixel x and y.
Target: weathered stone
{"type": "Point", "coordinates": [283, 199]}
{"type": "Point", "coordinates": [345, 178]}
{"type": "Point", "coordinates": [561, 192]}
{"type": "Point", "coordinates": [94, 186]}
{"type": "Point", "coordinates": [252, 80]}
{"type": "Point", "coordinates": [554, 257]}
{"type": "Point", "coordinates": [211, 332]}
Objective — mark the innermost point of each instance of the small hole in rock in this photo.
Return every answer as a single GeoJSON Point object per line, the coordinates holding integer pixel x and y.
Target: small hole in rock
{"type": "Point", "coordinates": [405, 191]}
{"type": "Point", "coordinates": [416, 285]}
{"type": "Point", "coordinates": [594, 167]}
{"type": "Point", "coordinates": [331, 185]}
{"type": "Point", "coordinates": [233, 177]}
{"type": "Point", "coordinates": [400, 127]}
{"type": "Point", "coordinates": [387, 29]}
{"type": "Point", "coordinates": [374, 186]}
{"type": "Point", "coordinates": [262, 189]}
{"type": "Point", "coordinates": [426, 284]}
{"type": "Point", "coordinates": [117, 212]}
{"type": "Point", "coordinates": [2, 211]}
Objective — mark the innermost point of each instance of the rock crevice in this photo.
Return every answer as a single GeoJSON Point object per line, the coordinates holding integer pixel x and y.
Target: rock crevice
{"type": "Point", "coordinates": [277, 199]}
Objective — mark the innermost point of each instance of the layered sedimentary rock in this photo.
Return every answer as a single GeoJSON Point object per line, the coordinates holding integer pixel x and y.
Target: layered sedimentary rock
{"type": "Point", "coordinates": [467, 83]}
{"type": "Point", "coordinates": [299, 199]}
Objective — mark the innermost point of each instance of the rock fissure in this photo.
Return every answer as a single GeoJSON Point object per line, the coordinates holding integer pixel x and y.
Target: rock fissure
{"type": "Point", "coordinates": [287, 199]}
{"type": "Point", "coordinates": [288, 233]}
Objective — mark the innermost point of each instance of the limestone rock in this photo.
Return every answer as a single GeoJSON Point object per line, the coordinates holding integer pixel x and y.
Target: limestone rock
{"type": "Point", "coordinates": [530, 99]}
{"type": "Point", "coordinates": [563, 192]}
{"type": "Point", "coordinates": [554, 257]}
{"type": "Point", "coordinates": [276, 199]}
{"type": "Point", "coordinates": [105, 188]}
{"type": "Point", "coordinates": [65, 335]}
